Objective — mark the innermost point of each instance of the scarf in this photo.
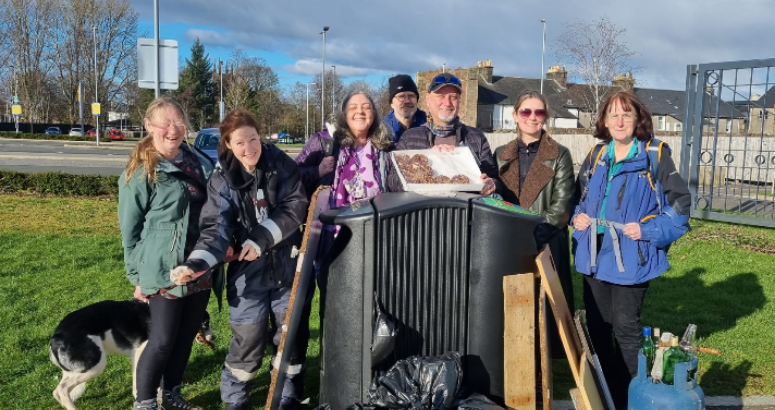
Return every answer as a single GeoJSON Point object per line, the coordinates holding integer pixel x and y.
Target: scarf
{"type": "Point", "coordinates": [357, 175]}
{"type": "Point", "coordinates": [442, 131]}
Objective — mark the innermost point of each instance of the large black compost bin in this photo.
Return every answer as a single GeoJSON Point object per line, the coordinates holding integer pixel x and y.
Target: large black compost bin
{"type": "Point", "coordinates": [437, 266]}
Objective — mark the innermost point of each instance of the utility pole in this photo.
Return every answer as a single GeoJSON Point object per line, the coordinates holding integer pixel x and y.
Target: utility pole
{"type": "Point", "coordinates": [157, 93]}
{"type": "Point", "coordinates": [543, 51]}
{"type": "Point", "coordinates": [96, 96]}
{"type": "Point", "coordinates": [333, 91]}
{"type": "Point", "coordinates": [221, 106]}
{"type": "Point", "coordinates": [323, 83]}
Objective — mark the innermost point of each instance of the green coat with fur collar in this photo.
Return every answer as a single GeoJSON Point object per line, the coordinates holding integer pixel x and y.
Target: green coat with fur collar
{"type": "Point", "coordinates": [154, 221]}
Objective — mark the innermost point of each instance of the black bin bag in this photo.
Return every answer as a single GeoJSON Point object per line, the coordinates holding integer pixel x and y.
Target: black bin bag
{"type": "Point", "coordinates": [383, 337]}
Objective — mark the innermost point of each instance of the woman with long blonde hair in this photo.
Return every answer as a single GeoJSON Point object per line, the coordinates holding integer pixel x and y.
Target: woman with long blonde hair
{"type": "Point", "coordinates": [161, 194]}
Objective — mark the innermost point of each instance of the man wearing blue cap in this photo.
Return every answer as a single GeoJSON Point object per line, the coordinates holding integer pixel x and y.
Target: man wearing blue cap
{"type": "Point", "coordinates": [444, 131]}
{"type": "Point", "coordinates": [403, 101]}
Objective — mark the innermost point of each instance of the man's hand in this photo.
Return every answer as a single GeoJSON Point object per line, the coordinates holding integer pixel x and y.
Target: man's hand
{"type": "Point", "coordinates": [632, 231]}
{"type": "Point", "coordinates": [444, 147]}
{"type": "Point", "coordinates": [325, 167]}
{"type": "Point", "coordinates": [581, 222]}
{"type": "Point", "coordinates": [183, 274]}
{"type": "Point", "coordinates": [489, 185]}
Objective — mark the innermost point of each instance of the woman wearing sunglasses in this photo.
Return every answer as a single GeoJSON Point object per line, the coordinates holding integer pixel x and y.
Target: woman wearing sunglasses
{"type": "Point", "coordinates": [537, 174]}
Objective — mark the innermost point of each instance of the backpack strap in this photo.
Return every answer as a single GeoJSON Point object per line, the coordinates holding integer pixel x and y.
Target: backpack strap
{"type": "Point", "coordinates": [596, 152]}
{"type": "Point", "coordinates": [382, 170]}
{"type": "Point", "coordinates": [654, 155]}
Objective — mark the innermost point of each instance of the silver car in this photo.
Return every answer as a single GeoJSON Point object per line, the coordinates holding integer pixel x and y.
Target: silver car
{"type": "Point", "coordinates": [76, 132]}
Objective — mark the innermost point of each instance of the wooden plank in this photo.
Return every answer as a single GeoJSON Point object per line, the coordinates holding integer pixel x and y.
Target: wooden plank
{"type": "Point", "coordinates": [589, 389]}
{"type": "Point", "coordinates": [547, 387]}
{"type": "Point", "coordinates": [578, 402]}
{"type": "Point", "coordinates": [519, 362]}
{"type": "Point", "coordinates": [570, 340]}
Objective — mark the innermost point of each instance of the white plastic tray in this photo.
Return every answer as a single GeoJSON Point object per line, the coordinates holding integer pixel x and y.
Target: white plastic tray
{"type": "Point", "coordinates": [461, 161]}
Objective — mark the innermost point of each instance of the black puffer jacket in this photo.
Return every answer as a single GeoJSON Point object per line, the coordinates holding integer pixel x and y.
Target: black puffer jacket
{"type": "Point", "coordinates": [229, 217]}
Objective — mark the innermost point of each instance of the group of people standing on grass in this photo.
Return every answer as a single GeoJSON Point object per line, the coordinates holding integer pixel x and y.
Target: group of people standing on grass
{"type": "Point", "coordinates": [181, 216]}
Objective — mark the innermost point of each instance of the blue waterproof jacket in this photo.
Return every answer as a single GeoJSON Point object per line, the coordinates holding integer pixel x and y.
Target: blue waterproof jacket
{"type": "Point", "coordinates": [631, 198]}
{"type": "Point", "coordinates": [420, 118]}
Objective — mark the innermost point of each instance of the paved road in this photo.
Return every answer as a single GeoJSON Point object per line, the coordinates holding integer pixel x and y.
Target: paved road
{"type": "Point", "coordinates": [68, 156]}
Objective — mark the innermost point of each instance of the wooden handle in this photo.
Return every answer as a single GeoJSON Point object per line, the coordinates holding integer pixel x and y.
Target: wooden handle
{"type": "Point", "coordinates": [695, 348]}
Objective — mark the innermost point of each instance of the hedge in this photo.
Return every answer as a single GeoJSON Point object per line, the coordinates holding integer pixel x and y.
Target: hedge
{"type": "Point", "coordinates": [57, 183]}
{"type": "Point", "coordinates": [60, 137]}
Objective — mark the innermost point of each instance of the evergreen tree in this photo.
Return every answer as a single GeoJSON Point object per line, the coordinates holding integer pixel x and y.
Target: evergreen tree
{"type": "Point", "coordinates": [197, 88]}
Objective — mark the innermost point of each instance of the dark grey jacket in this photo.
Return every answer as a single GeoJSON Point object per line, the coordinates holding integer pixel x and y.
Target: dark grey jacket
{"type": "Point", "coordinates": [228, 217]}
{"type": "Point", "coordinates": [422, 138]}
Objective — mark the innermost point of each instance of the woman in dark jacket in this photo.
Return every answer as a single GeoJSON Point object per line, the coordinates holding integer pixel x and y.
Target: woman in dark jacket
{"type": "Point", "coordinates": [255, 202]}
{"type": "Point", "coordinates": [632, 203]}
{"type": "Point", "coordinates": [537, 174]}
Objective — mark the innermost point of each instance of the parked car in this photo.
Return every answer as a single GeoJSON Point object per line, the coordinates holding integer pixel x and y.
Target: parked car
{"type": "Point", "coordinates": [116, 134]}
{"type": "Point", "coordinates": [207, 140]}
{"type": "Point", "coordinates": [76, 132]}
{"type": "Point", "coordinates": [53, 131]}
{"type": "Point", "coordinates": [103, 133]}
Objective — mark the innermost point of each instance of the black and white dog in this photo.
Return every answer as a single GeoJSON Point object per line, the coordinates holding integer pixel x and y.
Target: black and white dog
{"type": "Point", "coordinates": [83, 339]}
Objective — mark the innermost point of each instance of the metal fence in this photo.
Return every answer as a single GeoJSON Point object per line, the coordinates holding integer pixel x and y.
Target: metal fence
{"type": "Point", "coordinates": [729, 141]}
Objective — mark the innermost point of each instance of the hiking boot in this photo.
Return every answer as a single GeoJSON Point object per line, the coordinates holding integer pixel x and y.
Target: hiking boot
{"type": "Point", "coordinates": [289, 403]}
{"type": "Point", "coordinates": [172, 400]}
{"type": "Point", "coordinates": [149, 404]}
{"type": "Point", "coordinates": [237, 406]}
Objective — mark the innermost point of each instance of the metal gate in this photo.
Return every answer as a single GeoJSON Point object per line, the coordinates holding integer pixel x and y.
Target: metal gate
{"type": "Point", "coordinates": [728, 148]}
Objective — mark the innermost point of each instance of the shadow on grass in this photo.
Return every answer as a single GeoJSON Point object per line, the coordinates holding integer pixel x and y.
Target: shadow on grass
{"type": "Point", "coordinates": [726, 380]}
{"type": "Point", "coordinates": [673, 302]}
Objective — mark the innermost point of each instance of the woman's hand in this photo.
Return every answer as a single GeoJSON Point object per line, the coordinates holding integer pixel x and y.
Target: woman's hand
{"type": "Point", "coordinates": [139, 295]}
{"type": "Point", "coordinates": [632, 231]}
{"type": "Point", "coordinates": [181, 275]}
{"type": "Point", "coordinates": [581, 222]}
{"type": "Point", "coordinates": [249, 253]}
{"type": "Point", "coordinates": [489, 185]}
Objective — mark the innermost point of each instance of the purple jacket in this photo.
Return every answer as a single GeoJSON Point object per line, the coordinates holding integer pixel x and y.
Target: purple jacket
{"type": "Point", "coordinates": [317, 147]}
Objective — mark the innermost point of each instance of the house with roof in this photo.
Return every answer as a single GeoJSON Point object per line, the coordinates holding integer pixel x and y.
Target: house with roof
{"type": "Point", "coordinates": [488, 100]}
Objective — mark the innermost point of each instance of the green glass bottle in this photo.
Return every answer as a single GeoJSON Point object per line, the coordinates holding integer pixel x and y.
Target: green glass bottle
{"type": "Point", "coordinates": [673, 355]}
{"type": "Point", "coordinates": [648, 348]}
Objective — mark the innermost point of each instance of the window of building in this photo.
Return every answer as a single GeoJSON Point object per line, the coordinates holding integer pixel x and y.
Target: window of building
{"type": "Point", "coordinates": [660, 123]}
{"type": "Point", "coordinates": [678, 126]}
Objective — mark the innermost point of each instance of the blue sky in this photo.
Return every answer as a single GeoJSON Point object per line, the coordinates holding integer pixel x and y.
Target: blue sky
{"type": "Point", "coordinates": [372, 40]}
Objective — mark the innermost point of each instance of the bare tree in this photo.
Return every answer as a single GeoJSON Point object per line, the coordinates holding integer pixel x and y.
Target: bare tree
{"type": "Point", "coordinates": [596, 52]}
{"type": "Point", "coordinates": [26, 25]}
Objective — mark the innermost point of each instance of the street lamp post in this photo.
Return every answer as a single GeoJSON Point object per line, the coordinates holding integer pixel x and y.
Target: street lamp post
{"type": "Point", "coordinates": [96, 97]}
{"type": "Point", "coordinates": [221, 106]}
{"type": "Point", "coordinates": [543, 50]}
{"type": "Point", "coordinates": [333, 91]}
{"type": "Point", "coordinates": [14, 98]}
{"type": "Point", "coordinates": [323, 82]}
{"type": "Point", "coordinates": [306, 135]}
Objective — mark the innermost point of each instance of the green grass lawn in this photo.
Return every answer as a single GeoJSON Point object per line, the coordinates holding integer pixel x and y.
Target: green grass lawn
{"type": "Point", "coordinates": [58, 254]}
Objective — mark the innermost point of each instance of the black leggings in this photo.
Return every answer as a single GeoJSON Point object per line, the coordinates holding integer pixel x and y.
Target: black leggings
{"type": "Point", "coordinates": [174, 324]}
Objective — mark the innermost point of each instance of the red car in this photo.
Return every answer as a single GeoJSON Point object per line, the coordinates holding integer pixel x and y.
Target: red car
{"type": "Point", "coordinates": [116, 134]}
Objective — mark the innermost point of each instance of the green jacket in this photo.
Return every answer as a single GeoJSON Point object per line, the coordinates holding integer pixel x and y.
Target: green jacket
{"type": "Point", "coordinates": [154, 221]}
{"type": "Point", "coordinates": [549, 184]}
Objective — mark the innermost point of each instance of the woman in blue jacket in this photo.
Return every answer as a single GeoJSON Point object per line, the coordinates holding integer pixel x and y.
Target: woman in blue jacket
{"type": "Point", "coordinates": [627, 215]}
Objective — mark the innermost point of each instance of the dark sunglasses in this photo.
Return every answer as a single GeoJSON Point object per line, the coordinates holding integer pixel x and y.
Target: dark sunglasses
{"type": "Point", "coordinates": [525, 113]}
{"type": "Point", "coordinates": [445, 79]}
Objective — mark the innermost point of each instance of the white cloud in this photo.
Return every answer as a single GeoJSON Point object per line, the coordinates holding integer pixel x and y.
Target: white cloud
{"type": "Point", "coordinates": [313, 67]}
{"type": "Point", "coordinates": [409, 36]}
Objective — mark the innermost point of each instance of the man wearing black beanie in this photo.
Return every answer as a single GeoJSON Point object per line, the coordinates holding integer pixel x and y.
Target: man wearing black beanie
{"type": "Point", "coordinates": [403, 101]}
